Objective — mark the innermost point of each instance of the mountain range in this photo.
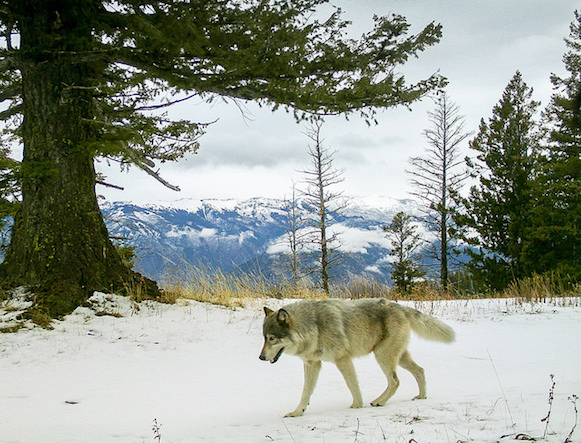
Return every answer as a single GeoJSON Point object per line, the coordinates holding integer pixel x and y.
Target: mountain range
{"type": "Point", "coordinates": [237, 236]}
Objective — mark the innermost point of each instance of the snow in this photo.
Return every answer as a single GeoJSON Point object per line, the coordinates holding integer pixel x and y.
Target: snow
{"type": "Point", "coordinates": [105, 373]}
{"type": "Point", "coordinates": [264, 207]}
{"type": "Point", "coordinates": [258, 207]}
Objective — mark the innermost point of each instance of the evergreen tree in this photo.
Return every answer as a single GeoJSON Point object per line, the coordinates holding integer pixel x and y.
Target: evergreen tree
{"type": "Point", "coordinates": [497, 210]}
{"type": "Point", "coordinates": [83, 79]}
{"type": "Point", "coordinates": [556, 242]}
{"type": "Point", "coordinates": [438, 178]}
{"type": "Point", "coordinates": [405, 242]}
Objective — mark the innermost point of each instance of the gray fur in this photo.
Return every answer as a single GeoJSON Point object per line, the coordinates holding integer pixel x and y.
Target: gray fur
{"type": "Point", "coordinates": [338, 331]}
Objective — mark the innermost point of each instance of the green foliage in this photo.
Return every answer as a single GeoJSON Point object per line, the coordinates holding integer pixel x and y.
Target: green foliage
{"type": "Point", "coordinates": [127, 253]}
{"type": "Point", "coordinates": [497, 210]}
{"type": "Point", "coordinates": [8, 190]}
{"type": "Point", "coordinates": [405, 242]}
{"type": "Point", "coordinates": [524, 216]}
{"type": "Point", "coordinates": [525, 213]}
{"type": "Point", "coordinates": [142, 57]}
{"type": "Point", "coordinates": [556, 234]}
{"type": "Point", "coordinates": [93, 78]}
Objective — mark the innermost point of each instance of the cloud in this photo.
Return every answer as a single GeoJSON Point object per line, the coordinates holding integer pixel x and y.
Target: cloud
{"type": "Point", "coordinates": [351, 240]}
{"type": "Point", "coordinates": [356, 240]}
{"type": "Point", "coordinates": [192, 234]}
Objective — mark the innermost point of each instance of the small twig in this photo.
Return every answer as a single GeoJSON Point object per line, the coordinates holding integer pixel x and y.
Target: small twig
{"type": "Point", "coordinates": [357, 431]}
{"type": "Point", "coordinates": [573, 399]}
{"type": "Point", "coordinates": [501, 390]}
{"type": "Point", "coordinates": [289, 433]}
{"type": "Point", "coordinates": [551, 398]}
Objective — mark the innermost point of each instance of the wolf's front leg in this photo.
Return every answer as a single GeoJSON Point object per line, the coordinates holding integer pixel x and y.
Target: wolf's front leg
{"type": "Point", "coordinates": [312, 369]}
{"type": "Point", "coordinates": [346, 368]}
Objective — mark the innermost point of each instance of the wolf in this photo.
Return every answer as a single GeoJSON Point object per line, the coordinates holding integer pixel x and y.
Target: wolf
{"type": "Point", "coordinates": [338, 331]}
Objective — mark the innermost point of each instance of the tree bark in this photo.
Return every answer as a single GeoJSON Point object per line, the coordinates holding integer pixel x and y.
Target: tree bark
{"type": "Point", "coordinates": [443, 210]}
{"type": "Point", "coordinates": [60, 245]}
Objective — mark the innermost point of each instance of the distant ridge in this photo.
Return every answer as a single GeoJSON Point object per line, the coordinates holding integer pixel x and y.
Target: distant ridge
{"type": "Point", "coordinates": [245, 235]}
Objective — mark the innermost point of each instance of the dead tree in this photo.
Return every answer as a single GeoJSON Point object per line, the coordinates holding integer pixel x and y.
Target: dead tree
{"type": "Point", "coordinates": [323, 202]}
{"type": "Point", "coordinates": [438, 178]}
{"type": "Point", "coordinates": [296, 236]}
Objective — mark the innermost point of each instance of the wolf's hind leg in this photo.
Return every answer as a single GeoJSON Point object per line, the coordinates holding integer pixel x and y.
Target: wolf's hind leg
{"type": "Point", "coordinates": [346, 368]}
{"type": "Point", "coordinates": [388, 362]}
{"type": "Point", "coordinates": [417, 371]}
{"type": "Point", "coordinates": [312, 369]}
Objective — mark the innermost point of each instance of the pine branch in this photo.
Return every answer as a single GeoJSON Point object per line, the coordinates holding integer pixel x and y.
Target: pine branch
{"type": "Point", "coordinates": [145, 165]}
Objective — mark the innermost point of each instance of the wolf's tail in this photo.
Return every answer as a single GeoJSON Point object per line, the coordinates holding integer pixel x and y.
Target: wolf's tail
{"type": "Point", "coordinates": [428, 327]}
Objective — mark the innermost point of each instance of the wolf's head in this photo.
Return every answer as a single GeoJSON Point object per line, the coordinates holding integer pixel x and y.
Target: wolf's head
{"type": "Point", "coordinates": [277, 334]}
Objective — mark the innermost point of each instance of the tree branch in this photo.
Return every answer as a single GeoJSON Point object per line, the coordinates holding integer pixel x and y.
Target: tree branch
{"type": "Point", "coordinates": [145, 165]}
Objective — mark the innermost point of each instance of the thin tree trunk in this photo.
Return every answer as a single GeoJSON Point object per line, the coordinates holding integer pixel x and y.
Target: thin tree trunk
{"type": "Point", "coordinates": [444, 204]}
{"type": "Point", "coordinates": [444, 215]}
{"type": "Point", "coordinates": [444, 254]}
{"type": "Point", "coordinates": [324, 251]}
{"type": "Point", "coordinates": [293, 238]}
{"type": "Point", "coordinates": [322, 219]}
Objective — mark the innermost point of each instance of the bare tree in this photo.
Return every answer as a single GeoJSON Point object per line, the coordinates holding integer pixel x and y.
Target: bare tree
{"type": "Point", "coordinates": [296, 236]}
{"type": "Point", "coordinates": [324, 203]}
{"type": "Point", "coordinates": [438, 178]}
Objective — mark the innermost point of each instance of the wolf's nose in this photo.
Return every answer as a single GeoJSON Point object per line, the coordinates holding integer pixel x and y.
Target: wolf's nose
{"type": "Point", "coordinates": [262, 357]}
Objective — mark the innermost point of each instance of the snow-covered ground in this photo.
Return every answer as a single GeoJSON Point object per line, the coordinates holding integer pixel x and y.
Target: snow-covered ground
{"type": "Point", "coordinates": [192, 371]}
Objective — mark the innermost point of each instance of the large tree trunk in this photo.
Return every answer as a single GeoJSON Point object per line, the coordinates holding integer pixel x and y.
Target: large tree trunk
{"type": "Point", "coordinates": [60, 244]}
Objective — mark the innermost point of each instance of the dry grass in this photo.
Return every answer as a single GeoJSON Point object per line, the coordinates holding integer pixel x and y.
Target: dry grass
{"type": "Point", "coordinates": [423, 291]}
{"type": "Point", "coordinates": [232, 290]}
{"type": "Point", "coordinates": [540, 288]}
{"type": "Point", "coordinates": [235, 290]}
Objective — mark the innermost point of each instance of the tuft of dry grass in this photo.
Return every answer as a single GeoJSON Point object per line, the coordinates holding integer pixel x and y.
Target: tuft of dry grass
{"type": "Point", "coordinates": [231, 290]}
{"type": "Point", "coordinates": [426, 291]}
{"type": "Point", "coordinates": [366, 288]}
{"type": "Point", "coordinates": [540, 288]}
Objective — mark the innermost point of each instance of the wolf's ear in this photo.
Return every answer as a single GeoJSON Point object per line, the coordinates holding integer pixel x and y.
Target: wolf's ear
{"type": "Point", "coordinates": [283, 317]}
{"type": "Point", "coordinates": [267, 311]}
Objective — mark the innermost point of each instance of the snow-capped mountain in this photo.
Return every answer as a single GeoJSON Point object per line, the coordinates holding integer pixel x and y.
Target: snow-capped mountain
{"type": "Point", "coordinates": [246, 236]}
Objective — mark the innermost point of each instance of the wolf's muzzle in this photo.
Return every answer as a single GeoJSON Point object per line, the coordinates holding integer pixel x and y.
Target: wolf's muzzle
{"type": "Point", "coordinates": [277, 356]}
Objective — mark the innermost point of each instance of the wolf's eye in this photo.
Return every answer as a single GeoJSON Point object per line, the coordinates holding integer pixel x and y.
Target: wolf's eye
{"type": "Point", "coordinates": [271, 339]}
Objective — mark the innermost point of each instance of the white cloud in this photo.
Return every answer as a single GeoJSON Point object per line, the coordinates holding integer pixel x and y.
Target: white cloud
{"type": "Point", "coordinates": [357, 240]}
{"type": "Point", "coordinates": [208, 232]}
{"type": "Point", "coordinates": [374, 269]}
{"type": "Point", "coordinates": [191, 233]}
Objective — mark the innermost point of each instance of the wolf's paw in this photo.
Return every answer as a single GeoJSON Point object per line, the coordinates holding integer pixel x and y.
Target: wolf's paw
{"type": "Point", "coordinates": [357, 404]}
{"type": "Point", "coordinates": [420, 397]}
{"type": "Point", "coordinates": [378, 402]}
{"type": "Point", "coordinates": [296, 413]}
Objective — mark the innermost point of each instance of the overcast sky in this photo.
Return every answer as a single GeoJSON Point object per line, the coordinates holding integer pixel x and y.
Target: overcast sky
{"type": "Point", "coordinates": [259, 153]}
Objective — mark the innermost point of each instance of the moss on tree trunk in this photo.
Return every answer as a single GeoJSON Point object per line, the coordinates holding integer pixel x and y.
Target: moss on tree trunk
{"type": "Point", "coordinates": [60, 244]}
